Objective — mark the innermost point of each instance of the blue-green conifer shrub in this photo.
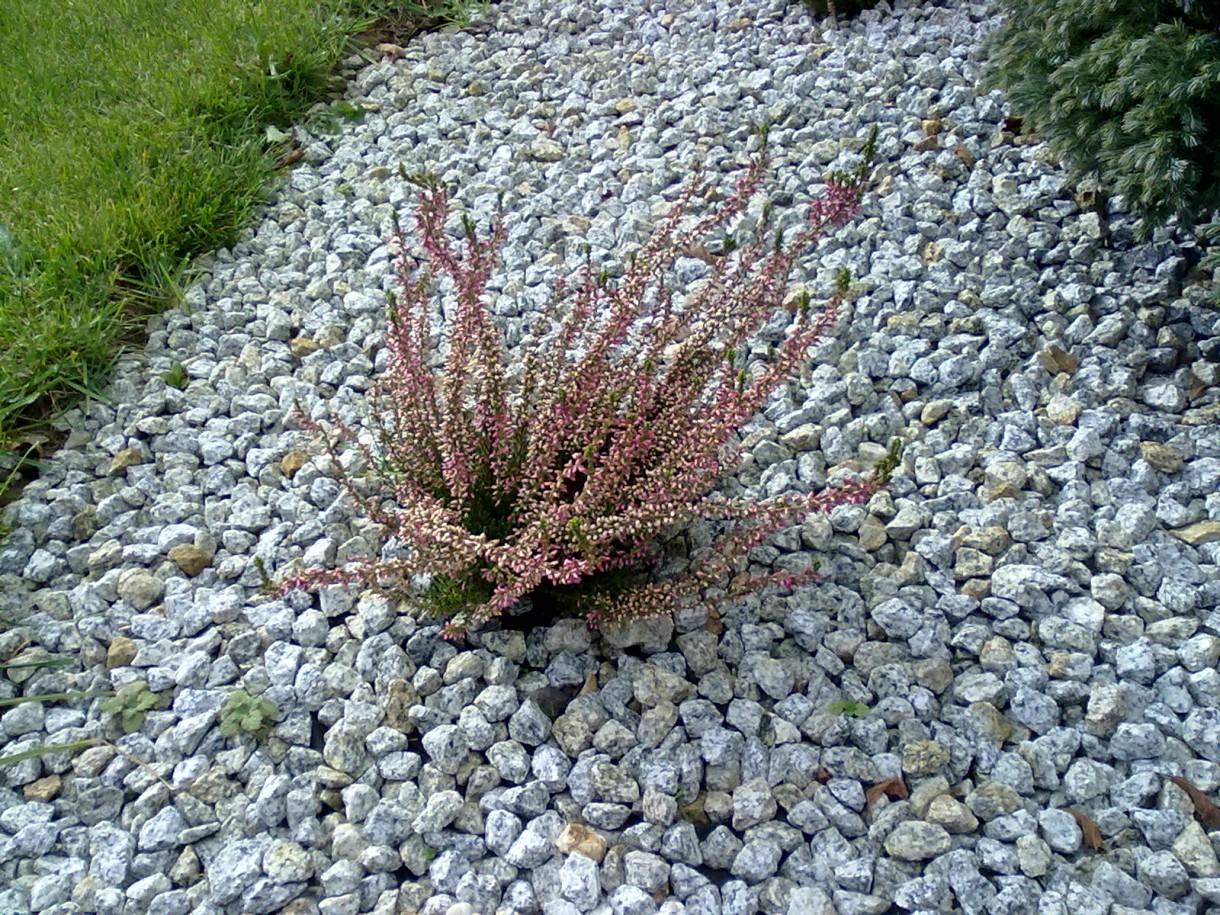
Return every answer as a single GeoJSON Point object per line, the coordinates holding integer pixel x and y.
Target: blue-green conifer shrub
{"type": "Point", "coordinates": [1127, 90]}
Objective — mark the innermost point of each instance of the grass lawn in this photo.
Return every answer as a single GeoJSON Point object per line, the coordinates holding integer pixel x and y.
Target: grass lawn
{"type": "Point", "coordinates": [131, 139]}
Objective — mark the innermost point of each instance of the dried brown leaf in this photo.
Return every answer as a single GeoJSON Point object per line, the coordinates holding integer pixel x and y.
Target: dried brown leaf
{"type": "Point", "coordinates": [1055, 360]}
{"type": "Point", "coordinates": [893, 788]}
{"type": "Point", "coordinates": [590, 685]}
{"type": "Point", "coordinates": [701, 252]}
{"type": "Point", "coordinates": [1196, 387]}
{"type": "Point", "coordinates": [291, 157]}
{"type": "Point", "coordinates": [1207, 812]}
{"type": "Point", "coordinates": [1092, 835]}
{"type": "Point", "coordinates": [964, 154]}
{"type": "Point", "coordinates": [713, 624]}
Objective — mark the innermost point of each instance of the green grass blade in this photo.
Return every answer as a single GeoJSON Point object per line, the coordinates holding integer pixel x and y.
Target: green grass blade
{"type": "Point", "coordinates": [45, 662]}
{"type": "Point", "coordinates": [53, 748]}
{"type": "Point", "coordinates": [56, 697]}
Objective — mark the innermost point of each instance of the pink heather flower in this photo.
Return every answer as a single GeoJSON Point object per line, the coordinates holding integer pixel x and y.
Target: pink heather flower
{"type": "Point", "coordinates": [612, 432]}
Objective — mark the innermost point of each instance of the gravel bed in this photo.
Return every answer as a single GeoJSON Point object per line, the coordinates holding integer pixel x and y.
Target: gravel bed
{"type": "Point", "coordinates": [1023, 631]}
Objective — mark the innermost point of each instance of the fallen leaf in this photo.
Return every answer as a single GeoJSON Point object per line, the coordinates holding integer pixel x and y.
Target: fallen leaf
{"type": "Point", "coordinates": [1056, 360]}
{"type": "Point", "coordinates": [1092, 835]}
{"type": "Point", "coordinates": [701, 252]}
{"type": "Point", "coordinates": [713, 624]}
{"type": "Point", "coordinates": [964, 154]}
{"type": "Point", "coordinates": [893, 788]}
{"type": "Point", "coordinates": [1207, 812]}
{"type": "Point", "coordinates": [291, 157]}
{"type": "Point", "coordinates": [590, 686]}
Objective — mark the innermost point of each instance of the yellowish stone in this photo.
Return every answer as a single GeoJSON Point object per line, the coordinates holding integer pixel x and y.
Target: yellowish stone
{"type": "Point", "coordinates": [872, 533]}
{"type": "Point", "coordinates": [924, 757]}
{"type": "Point", "coordinates": [292, 462]}
{"type": "Point", "coordinates": [43, 790]}
{"type": "Point", "coordinates": [976, 588]}
{"type": "Point", "coordinates": [934, 412]}
{"type": "Point", "coordinates": [992, 540]}
{"type": "Point", "coordinates": [971, 563]}
{"type": "Point", "coordinates": [1056, 360]}
{"type": "Point", "coordinates": [951, 814]}
{"type": "Point", "coordinates": [1160, 457]}
{"type": "Point", "coordinates": [912, 570]}
{"type": "Point", "coordinates": [1199, 534]}
{"type": "Point", "coordinates": [1002, 491]}
{"type": "Point", "coordinates": [994, 725]}
{"type": "Point", "coordinates": [577, 838]}
{"type": "Point", "coordinates": [300, 347]}
{"type": "Point", "coordinates": [926, 792]}
{"type": "Point", "coordinates": [128, 457]}
{"type": "Point", "coordinates": [121, 652]}
{"type": "Point", "coordinates": [189, 558]}
{"type": "Point", "coordinates": [935, 674]}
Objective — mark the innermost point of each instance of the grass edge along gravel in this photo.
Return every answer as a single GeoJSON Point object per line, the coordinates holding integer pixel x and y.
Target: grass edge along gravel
{"type": "Point", "coordinates": [133, 140]}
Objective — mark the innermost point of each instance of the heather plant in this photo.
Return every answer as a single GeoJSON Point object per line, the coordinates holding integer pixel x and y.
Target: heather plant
{"type": "Point", "coordinates": [558, 474]}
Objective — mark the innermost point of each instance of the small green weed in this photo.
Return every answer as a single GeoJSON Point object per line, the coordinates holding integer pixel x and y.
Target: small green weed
{"type": "Point", "coordinates": [130, 703]}
{"type": "Point", "coordinates": [848, 707]}
{"type": "Point", "coordinates": [176, 377]}
{"type": "Point", "coordinates": [331, 119]}
{"type": "Point", "coordinates": [246, 714]}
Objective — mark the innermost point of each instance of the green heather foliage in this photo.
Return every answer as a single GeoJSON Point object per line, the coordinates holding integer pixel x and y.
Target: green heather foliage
{"type": "Point", "coordinates": [1128, 90]}
{"type": "Point", "coordinates": [499, 480]}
